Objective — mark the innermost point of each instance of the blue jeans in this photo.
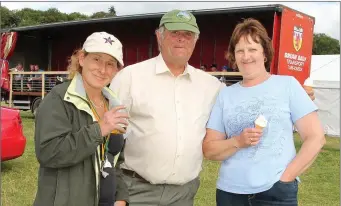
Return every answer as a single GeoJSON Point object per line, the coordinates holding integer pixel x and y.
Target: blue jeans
{"type": "Point", "coordinates": [281, 193]}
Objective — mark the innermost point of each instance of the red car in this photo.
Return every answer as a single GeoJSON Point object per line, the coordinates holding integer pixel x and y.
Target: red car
{"type": "Point", "coordinates": [13, 141]}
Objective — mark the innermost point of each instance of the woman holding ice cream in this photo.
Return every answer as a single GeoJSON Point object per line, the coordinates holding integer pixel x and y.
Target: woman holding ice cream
{"type": "Point", "coordinates": [251, 132]}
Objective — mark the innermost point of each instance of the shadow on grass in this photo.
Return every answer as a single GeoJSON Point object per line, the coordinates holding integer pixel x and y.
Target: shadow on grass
{"type": "Point", "coordinates": [6, 166]}
{"type": "Point", "coordinates": [14, 165]}
{"type": "Point", "coordinates": [26, 115]}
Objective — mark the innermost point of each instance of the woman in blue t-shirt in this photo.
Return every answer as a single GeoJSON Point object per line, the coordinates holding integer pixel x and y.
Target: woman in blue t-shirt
{"type": "Point", "coordinates": [251, 127]}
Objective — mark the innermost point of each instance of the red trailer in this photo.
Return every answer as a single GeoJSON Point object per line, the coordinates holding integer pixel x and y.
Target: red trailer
{"type": "Point", "coordinates": [291, 31]}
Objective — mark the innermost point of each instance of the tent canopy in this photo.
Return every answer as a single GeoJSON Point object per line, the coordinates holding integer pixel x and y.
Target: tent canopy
{"type": "Point", "coordinates": [325, 68]}
{"type": "Point", "coordinates": [325, 72]}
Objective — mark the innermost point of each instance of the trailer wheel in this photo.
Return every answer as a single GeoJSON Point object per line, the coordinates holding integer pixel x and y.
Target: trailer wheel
{"type": "Point", "coordinates": [35, 105]}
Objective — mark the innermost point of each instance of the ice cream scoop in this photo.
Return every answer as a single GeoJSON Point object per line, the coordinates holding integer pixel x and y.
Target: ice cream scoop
{"type": "Point", "coordinates": [261, 122]}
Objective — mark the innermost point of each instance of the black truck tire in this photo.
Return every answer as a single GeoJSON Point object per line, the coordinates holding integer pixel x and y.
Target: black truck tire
{"type": "Point", "coordinates": [35, 105]}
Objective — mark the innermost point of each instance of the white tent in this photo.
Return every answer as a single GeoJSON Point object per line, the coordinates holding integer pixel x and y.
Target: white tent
{"type": "Point", "coordinates": [325, 72]}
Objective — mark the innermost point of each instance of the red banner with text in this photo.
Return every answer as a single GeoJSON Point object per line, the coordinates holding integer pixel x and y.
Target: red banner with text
{"type": "Point", "coordinates": [296, 44]}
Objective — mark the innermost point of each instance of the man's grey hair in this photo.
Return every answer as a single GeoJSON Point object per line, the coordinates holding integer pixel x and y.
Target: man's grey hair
{"type": "Point", "coordinates": [162, 29]}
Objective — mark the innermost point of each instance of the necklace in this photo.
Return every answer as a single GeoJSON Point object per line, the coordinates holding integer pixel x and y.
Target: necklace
{"type": "Point", "coordinates": [104, 146]}
{"type": "Point", "coordinates": [100, 106]}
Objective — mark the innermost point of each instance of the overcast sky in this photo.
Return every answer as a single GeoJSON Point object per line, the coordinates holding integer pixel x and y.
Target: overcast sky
{"type": "Point", "coordinates": [327, 14]}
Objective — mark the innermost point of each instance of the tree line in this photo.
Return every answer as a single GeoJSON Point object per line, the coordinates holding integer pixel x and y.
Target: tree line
{"type": "Point", "coordinates": [29, 17]}
{"type": "Point", "coordinates": [322, 43]}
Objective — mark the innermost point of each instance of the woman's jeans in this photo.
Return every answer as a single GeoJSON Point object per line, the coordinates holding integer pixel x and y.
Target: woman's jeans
{"type": "Point", "coordinates": [281, 193]}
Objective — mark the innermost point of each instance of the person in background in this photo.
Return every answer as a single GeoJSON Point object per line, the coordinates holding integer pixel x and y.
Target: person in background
{"type": "Point", "coordinates": [226, 68]}
{"type": "Point", "coordinates": [251, 132]}
{"type": "Point", "coordinates": [31, 78]}
{"type": "Point", "coordinates": [203, 67]}
{"type": "Point", "coordinates": [18, 68]}
{"type": "Point", "coordinates": [78, 130]}
{"type": "Point", "coordinates": [17, 78]}
{"type": "Point", "coordinates": [213, 68]}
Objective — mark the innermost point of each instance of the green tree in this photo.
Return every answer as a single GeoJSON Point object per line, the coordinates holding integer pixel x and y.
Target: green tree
{"type": "Point", "coordinates": [8, 18]}
{"type": "Point", "coordinates": [112, 11]}
{"type": "Point", "coordinates": [100, 14]}
{"type": "Point", "coordinates": [53, 15]}
{"type": "Point", "coordinates": [324, 44]}
{"type": "Point", "coordinates": [76, 16]}
{"type": "Point", "coordinates": [29, 17]}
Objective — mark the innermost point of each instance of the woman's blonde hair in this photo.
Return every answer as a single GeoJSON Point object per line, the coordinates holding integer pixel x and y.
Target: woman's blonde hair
{"type": "Point", "coordinates": [74, 65]}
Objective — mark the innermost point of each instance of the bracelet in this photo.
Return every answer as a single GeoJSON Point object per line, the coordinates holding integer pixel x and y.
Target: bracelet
{"type": "Point", "coordinates": [234, 143]}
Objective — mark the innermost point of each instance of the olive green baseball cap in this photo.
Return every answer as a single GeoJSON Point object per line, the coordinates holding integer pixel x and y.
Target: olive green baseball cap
{"type": "Point", "coordinates": [179, 20]}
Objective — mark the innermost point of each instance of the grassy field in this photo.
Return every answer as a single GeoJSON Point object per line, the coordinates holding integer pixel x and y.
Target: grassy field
{"type": "Point", "coordinates": [320, 184]}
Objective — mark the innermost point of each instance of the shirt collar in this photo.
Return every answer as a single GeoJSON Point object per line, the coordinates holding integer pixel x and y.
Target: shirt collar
{"type": "Point", "coordinates": [161, 67]}
{"type": "Point", "coordinates": [76, 88]}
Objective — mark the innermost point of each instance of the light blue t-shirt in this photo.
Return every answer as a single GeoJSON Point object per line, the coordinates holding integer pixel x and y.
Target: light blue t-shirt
{"type": "Point", "coordinates": [282, 101]}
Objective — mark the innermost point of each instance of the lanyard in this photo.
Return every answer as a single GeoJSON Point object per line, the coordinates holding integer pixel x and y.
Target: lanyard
{"type": "Point", "coordinates": [104, 145]}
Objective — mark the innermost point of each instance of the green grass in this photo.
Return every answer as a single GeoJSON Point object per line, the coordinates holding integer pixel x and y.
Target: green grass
{"type": "Point", "coordinates": [320, 184]}
{"type": "Point", "coordinates": [19, 176]}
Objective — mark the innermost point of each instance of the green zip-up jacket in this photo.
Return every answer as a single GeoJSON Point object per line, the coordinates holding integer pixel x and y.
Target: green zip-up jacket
{"type": "Point", "coordinates": [67, 139]}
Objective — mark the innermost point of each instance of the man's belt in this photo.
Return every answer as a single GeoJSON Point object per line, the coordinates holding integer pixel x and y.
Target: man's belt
{"type": "Point", "coordinates": [133, 174]}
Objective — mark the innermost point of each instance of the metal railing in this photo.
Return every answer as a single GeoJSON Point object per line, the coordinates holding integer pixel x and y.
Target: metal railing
{"type": "Point", "coordinates": [34, 83]}
{"type": "Point", "coordinates": [40, 83]}
{"type": "Point", "coordinates": [228, 78]}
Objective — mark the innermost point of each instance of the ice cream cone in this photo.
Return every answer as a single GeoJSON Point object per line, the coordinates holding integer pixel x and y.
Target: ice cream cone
{"type": "Point", "coordinates": [259, 127]}
{"type": "Point", "coordinates": [261, 122]}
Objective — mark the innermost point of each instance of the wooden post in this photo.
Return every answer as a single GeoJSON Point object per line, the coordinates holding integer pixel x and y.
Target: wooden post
{"type": "Point", "coordinates": [49, 52]}
{"type": "Point", "coordinates": [201, 52]}
{"type": "Point", "coordinates": [42, 85]}
{"type": "Point", "coordinates": [22, 83]}
{"type": "Point", "coordinates": [215, 50]}
{"type": "Point", "coordinates": [150, 48]}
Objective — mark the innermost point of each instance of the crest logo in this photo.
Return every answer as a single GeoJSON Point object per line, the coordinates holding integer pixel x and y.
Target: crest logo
{"type": "Point", "coordinates": [297, 37]}
{"type": "Point", "coordinates": [184, 15]}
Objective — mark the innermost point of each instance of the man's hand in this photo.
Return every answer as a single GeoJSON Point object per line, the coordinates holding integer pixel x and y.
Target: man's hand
{"type": "Point", "coordinates": [310, 92]}
{"type": "Point", "coordinates": [120, 203]}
